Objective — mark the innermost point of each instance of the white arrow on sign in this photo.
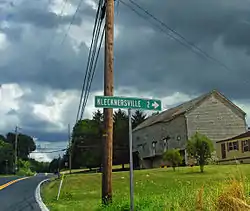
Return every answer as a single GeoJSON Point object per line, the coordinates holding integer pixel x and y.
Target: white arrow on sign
{"type": "Point", "coordinates": [155, 105]}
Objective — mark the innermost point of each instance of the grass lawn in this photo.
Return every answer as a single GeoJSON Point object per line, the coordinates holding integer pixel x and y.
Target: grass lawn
{"type": "Point", "coordinates": [156, 189]}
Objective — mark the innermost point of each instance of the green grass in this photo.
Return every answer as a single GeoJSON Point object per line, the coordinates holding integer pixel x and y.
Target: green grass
{"type": "Point", "coordinates": [156, 189]}
{"type": "Point", "coordinates": [7, 175]}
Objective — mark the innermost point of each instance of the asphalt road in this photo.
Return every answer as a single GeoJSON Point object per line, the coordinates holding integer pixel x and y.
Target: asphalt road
{"type": "Point", "coordinates": [20, 196]}
{"type": "Point", "coordinates": [4, 180]}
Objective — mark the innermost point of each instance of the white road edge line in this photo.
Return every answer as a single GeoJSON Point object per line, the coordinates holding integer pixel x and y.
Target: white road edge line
{"type": "Point", "coordinates": [39, 198]}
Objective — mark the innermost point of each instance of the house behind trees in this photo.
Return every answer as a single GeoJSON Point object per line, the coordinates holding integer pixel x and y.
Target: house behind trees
{"type": "Point", "coordinates": [211, 114]}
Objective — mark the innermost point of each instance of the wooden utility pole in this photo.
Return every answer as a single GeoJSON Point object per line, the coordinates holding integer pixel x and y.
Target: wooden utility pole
{"type": "Point", "coordinates": [16, 136]}
{"type": "Point", "coordinates": [69, 148]}
{"type": "Point", "coordinates": [108, 113]}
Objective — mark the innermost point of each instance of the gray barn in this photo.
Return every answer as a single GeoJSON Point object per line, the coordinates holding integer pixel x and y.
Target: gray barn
{"type": "Point", "coordinates": [211, 114]}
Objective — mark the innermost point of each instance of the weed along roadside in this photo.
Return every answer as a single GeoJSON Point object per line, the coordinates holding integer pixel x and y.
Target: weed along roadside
{"type": "Point", "coordinates": [156, 189]}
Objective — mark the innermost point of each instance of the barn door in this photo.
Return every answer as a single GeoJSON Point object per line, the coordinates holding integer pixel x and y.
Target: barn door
{"type": "Point", "coordinates": [223, 151]}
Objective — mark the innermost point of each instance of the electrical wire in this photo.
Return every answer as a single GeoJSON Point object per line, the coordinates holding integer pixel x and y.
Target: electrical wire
{"type": "Point", "coordinates": [88, 60]}
{"type": "Point", "coordinates": [72, 21]}
{"type": "Point", "coordinates": [181, 39]}
{"type": "Point", "coordinates": [89, 68]}
{"type": "Point", "coordinates": [93, 73]}
{"type": "Point", "coordinates": [92, 69]}
{"type": "Point", "coordinates": [61, 150]}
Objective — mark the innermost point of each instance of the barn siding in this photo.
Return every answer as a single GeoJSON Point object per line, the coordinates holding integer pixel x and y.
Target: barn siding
{"type": "Point", "coordinates": [156, 132]}
{"type": "Point", "coordinates": [215, 119]}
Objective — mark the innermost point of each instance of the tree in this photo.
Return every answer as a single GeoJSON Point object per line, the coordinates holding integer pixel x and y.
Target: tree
{"type": "Point", "coordinates": [138, 117]}
{"type": "Point", "coordinates": [200, 147]}
{"type": "Point", "coordinates": [3, 138]}
{"type": "Point", "coordinates": [25, 144]}
{"type": "Point", "coordinates": [54, 165]}
{"type": "Point", "coordinates": [86, 139]}
{"type": "Point", "coordinates": [173, 157]}
{"type": "Point", "coordinates": [98, 117]}
{"type": "Point", "coordinates": [39, 167]}
{"type": "Point", "coordinates": [6, 157]}
{"type": "Point", "coordinates": [121, 138]}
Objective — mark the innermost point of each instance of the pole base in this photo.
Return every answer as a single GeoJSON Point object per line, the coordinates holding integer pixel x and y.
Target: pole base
{"type": "Point", "coordinates": [106, 200]}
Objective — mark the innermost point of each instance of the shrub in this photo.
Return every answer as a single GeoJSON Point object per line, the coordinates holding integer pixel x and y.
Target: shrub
{"type": "Point", "coordinates": [200, 147]}
{"type": "Point", "coordinates": [173, 157]}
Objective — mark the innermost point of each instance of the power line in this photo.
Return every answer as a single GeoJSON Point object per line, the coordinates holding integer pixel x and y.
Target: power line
{"type": "Point", "coordinates": [89, 55]}
{"type": "Point", "coordinates": [72, 21]}
{"type": "Point", "coordinates": [182, 40]}
{"type": "Point", "coordinates": [91, 74]}
{"type": "Point", "coordinates": [94, 60]}
{"type": "Point", "coordinates": [92, 51]}
{"type": "Point", "coordinates": [61, 150]}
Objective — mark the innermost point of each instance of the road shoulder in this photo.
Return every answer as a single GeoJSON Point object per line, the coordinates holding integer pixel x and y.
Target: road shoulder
{"type": "Point", "coordinates": [38, 197]}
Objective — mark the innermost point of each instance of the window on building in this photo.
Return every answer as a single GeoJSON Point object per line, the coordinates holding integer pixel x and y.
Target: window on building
{"type": "Point", "coordinates": [154, 147]}
{"type": "Point", "coordinates": [165, 144]}
{"type": "Point", "coordinates": [236, 145]}
{"type": "Point", "coordinates": [245, 146]}
{"type": "Point", "coordinates": [233, 146]}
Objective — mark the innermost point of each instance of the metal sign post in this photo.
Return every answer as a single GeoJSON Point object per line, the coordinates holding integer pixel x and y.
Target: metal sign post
{"type": "Point", "coordinates": [131, 161]}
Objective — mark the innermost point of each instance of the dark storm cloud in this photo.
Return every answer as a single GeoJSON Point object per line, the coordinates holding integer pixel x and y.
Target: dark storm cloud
{"type": "Point", "coordinates": [49, 136]}
{"type": "Point", "coordinates": [154, 62]}
{"type": "Point", "coordinates": [37, 15]}
{"type": "Point", "coordinates": [34, 125]}
{"type": "Point", "coordinates": [13, 34]}
{"type": "Point", "coordinates": [145, 57]}
{"type": "Point", "coordinates": [42, 18]}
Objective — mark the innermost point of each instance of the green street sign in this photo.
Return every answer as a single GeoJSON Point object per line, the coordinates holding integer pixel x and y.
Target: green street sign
{"type": "Point", "coordinates": [127, 102]}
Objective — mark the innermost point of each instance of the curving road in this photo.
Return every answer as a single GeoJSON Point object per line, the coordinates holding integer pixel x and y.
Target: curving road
{"type": "Point", "coordinates": [20, 196]}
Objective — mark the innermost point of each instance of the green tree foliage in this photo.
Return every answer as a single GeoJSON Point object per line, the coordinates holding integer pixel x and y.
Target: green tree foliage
{"type": "Point", "coordinates": [138, 117]}
{"type": "Point", "coordinates": [25, 144]}
{"type": "Point", "coordinates": [87, 139]}
{"type": "Point", "coordinates": [173, 157]}
{"type": "Point", "coordinates": [121, 138]}
{"type": "Point", "coordinates": [54, 165]}
{"type": "Point", "coordinates": [86, 146]}
{"type": "Point", "coordinates": [39, 167]}
{"type": "Point", "coordinates": [24, 168]}
{"type": "Point", "coordinates": [98, 117]}
{"type": "Point", "coordinates": [3, 138]}
{"type": "Point", "coordinates": [200, 147]}
{"type": "Point", "coordinates": [6, 157]}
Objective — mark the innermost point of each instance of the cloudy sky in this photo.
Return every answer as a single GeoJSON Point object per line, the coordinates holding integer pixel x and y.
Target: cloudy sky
{"type": "Point", "coordinates": [41, 78]}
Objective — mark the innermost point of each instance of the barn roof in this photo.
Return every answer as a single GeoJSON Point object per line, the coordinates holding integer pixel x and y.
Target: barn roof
{"type": "Point", "coordinates": [174, 112]}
